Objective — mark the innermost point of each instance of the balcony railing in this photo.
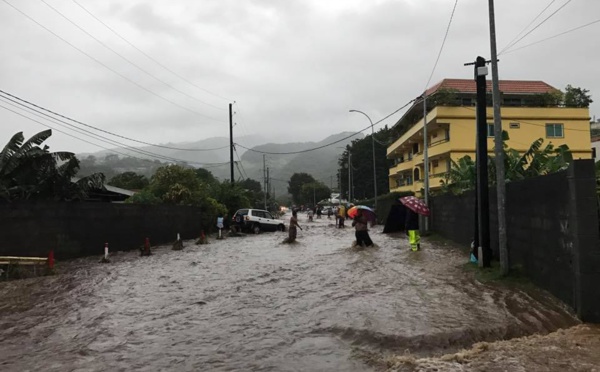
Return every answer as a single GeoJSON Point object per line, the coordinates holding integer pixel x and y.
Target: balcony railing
{"type": "Point", "coordinates": [439, 142]}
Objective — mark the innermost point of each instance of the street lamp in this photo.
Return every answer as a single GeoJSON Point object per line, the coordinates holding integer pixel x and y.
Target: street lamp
{"type": "Point", "coordinates": [373, 143]}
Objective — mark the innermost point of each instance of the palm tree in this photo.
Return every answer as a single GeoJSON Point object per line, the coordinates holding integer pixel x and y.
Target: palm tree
{"type": "Point", "coordinates": [28, 171]}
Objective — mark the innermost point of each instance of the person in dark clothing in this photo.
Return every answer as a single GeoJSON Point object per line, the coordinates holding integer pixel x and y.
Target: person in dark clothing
{"type": "Point", "coordinates": [412, 230]}
{"type": "Point", "coordinates": [362, 231]}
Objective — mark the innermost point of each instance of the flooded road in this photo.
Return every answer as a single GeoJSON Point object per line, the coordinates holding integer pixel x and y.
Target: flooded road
{"type": "Point", "coordinates": [253, 304]}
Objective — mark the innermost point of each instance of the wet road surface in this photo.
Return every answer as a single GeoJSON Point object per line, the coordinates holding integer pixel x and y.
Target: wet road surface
{"type": "Point", "coordinates": [253, 304]}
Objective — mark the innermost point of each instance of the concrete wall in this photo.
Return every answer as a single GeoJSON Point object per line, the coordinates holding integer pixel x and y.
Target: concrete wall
{"type": "Point", "coordinates": [552, 228]}
{"type": "Point", "coordinates": [81, 229]}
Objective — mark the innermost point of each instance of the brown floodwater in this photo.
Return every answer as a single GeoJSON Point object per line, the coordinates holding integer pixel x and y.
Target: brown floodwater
{"type": "Point", "coordinates": [254, 304]}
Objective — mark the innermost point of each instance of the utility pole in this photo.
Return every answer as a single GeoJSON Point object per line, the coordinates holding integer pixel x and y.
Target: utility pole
{"type": "Point", "coordinates": [498, 149]}
{"type": "Point", "coordinates": [349, 176]}
{"type": "Point", "coordinates": [231, 142]}
{"type": "Point", "coordinates": [265, 178]}
{"type": "Point", "coordinates": [483, 202]}
{"type": "Point", "coordinates": [425, 157]}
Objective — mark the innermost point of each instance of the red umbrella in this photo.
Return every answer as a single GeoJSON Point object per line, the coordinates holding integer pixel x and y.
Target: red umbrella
{"type": "Point", "coordinates": [416, 205]}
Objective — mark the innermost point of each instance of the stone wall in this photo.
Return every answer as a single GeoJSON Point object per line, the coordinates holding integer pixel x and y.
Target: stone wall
{"type": "Point", "coordinates": [81, 229]}
{"type": "Point", "coordinates": [552, 232]}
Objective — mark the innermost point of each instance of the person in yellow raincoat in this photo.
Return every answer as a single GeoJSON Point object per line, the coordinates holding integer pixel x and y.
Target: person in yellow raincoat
{"type": "Point", "coordinates": [341, 215]}
{"type": "Point", "coordinates": [412, 230]}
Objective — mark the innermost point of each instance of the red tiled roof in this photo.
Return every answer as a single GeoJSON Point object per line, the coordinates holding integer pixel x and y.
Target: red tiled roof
{"type": "Point", "coordinates": [506, 86]}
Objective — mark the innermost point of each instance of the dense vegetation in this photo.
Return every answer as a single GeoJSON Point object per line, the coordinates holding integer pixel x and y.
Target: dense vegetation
{"type": "Point", "coordinates": [538, 160]}
{"type": "Point", "coordinates": [361, 151]}
{"type": "Point", "coordinates": [31, 172]}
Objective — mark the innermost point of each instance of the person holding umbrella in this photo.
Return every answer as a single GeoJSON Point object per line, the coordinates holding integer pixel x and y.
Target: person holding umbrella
{"type": "Point", "coordinates": [414, 208]}
{"type": "Point", "coordinates": [362, 231]}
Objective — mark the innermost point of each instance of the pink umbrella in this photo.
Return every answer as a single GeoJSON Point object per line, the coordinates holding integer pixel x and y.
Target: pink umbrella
{"type": "Point", "coordinates": [416, 205]}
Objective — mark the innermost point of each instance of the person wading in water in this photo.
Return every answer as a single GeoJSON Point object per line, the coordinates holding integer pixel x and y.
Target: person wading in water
{"type": "Point", "coordinates": [292, 231]}
{"type": "Point", "coordinates": [362, 231]}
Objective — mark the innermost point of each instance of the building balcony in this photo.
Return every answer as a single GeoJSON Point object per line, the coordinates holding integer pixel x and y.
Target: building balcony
{"type": "Point", "coordinates": [439, 148]}
{"type": "Point", "coordinates": [401, 167]}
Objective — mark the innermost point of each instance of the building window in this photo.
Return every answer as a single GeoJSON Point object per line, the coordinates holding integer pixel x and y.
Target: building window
{"type": "Point", "coordinates": [447, 134]}
{"type": "Point", "coordinates": [467, 102]}
{"type": "Point", "coordinates": [417, 174]}
{"type": "Point", "coordinates": [415, 148]}
{"type": "Point", "coordinates": [490, 130]}
{"type": "Point", "coordinates": [515, 125]}
{"type": "Point", "coordinates": [554, 131]}
{"type": "Point", "coordinates": [435, 163]}
{"type": "Point", "coordinates": [512, 102]}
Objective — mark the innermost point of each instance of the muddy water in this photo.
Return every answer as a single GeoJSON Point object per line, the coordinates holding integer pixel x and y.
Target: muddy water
{"type": "Point", "coordinates": [252, 303]}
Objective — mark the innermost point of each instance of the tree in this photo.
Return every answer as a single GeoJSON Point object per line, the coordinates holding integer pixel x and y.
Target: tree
{"type": "Point", "coordinates": [313, 192]}
{"type": "Point", "coordinates": [205, 176]}
{"type": "Point", "coordinates": [175, 179]}
{"type": "Point", "coordinates": [175, 184]}
{"type": "Point", "coordinates": [28, 171]}
{"type": "Point", "coordinates": [254, 192]}
{"type": "Point", "coordinates": [461, 177]}
{"type": "Point", "coordinates": [362, 164]}
{"type": "Point", "coordinates": [129, 180]}
{"type": "Point", "coordinates": [295, 185]}
{"type": "Point", "coordinates": [577, 97]}
{"type": "Point", "coordinates": [536, 161]}
{"type": "Point", "coordinates": [234, 196]}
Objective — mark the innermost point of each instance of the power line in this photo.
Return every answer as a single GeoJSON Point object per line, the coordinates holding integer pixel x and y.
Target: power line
{"type": "Point", "coordinates": [552, 37]}
{"type": "Point", "coordinates": [148, 56]}
{"type": "Point", "coordinates": [241, 164]}
{"type": "Point", "coordinates": [538, 25]}
{"type": "Point", "coordinates": [526, 27]}
{"type": "Point", "coordinates": [102, 130]}
{"type": "Point", "coordinates": [45, 125]}
{"type": "Point", "coordinates": [126, 59]}
{"type": "Point", "coordinates": [329, 144]}
{"type": "Point", "coordinates": [96, 136]}
{"type": "Point", "coordinates": [442, 46]}
{"type": "Point", "coordinates": [107, 67]}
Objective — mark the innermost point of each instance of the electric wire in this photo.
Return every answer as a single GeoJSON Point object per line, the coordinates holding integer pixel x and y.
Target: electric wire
{"type": "Point", "coordinates": [46, 125]}
{"type": "Point", "coordinates": [102, 130]}
{"type": "Point", "coordinates": [535, 28]}
{"type": "Point", "coordinates": [127, 59]}
{"type": "Point", "coordinates": [106, 66]}
{"type": "Point", "coordinates": [552, 37]}
{"type": "Point", "coordinates": [96, 136]}
{"type": "Point", "coordinates": [329, 144]}
{"type": "Point", "coordinates": [529, 25]}
{"type": "Point", "coordinates": [147, 55]}
{"type": "Point", "coordinates": [241, 163]}
{"type": "Point", "coordinates": [443, 43]}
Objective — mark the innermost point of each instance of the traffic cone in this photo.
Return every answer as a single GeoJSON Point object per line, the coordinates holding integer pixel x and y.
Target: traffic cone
{"type": "Point", "coordinates": [146, 251]}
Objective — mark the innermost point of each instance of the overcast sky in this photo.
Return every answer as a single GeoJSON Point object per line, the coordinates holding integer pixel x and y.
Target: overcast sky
{"type": "Point", "coordinates": [293, 67]}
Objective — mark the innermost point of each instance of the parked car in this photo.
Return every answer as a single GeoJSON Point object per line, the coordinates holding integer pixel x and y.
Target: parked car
{"type": "Point", "coordinates": [257, 220]}
{"type": "Point", "coordinates": [325, 210]}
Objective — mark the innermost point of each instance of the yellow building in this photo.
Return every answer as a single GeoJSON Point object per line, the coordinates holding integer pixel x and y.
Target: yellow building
{"type": "Point", "coordinates": [451, 128]}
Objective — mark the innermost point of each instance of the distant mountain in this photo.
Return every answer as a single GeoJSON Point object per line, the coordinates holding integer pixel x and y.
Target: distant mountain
{"type": "Point", "coordinates": [214, 156]}
{"type": "Point", "coordinates": [321, 163]}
